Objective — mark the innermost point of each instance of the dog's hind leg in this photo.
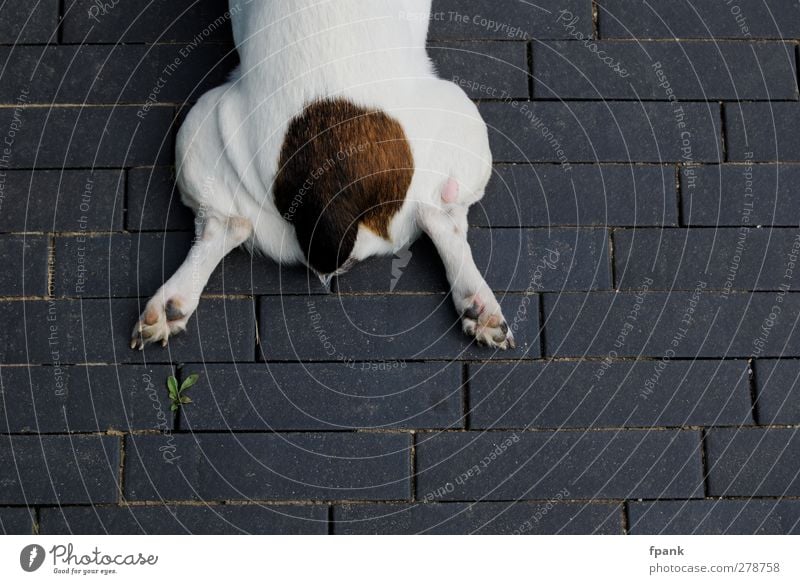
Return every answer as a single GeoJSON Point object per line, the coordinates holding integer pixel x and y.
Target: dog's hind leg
{"type": "Point", "coordinates": [169, 310]}
{"type": "Point", "coordinates": [446, 225]}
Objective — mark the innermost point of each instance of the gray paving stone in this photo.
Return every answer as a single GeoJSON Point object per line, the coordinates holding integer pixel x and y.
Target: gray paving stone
{"type": "Point", "coordinates": [117, 265]}
{"type": "Point", "coordinates": [186, 519]}
{"type": "Point", "coordinates": [124, 266]}
{"type": "Point", "coordinates": [543, 195]}
{"type": "Point", "coordinates": [98, 331]}
{"type": "Point", "coordinates": [84, 399]}
{"type": "Point", "coordinates": [108, 74]}
{"type": "Point", "coordinates": [603, 132]}
{"type": "Point", "coordinates": [654, 325]}
{"type": "Point", "coordinates": [25, 265]}
{"type": "Point", "coordinates": [741, 194]}
{"type": "Point", "coordinates": [16, 521]}
{"type": "Point", "coordinates": [778, 387]}
{"type": "Point", "coordinates": [515, 19]}
{"type": "Point", "coordinates": [540, 260]}
{"type": "Point", "coordinates": [753, 462]}
{"type": "Point", "coordinates": [289, 396]}
{"type": "Point", "coordinates": [542, 518]}
{"type": "Point", "coordinates": [417, 268]}
{"type": "Point", "coordinates": [370, 328]}
{"type": "Point", "coordinates": [542, 465]}
{"type": "Point", "coordinates": [29, 22]}
{"type": "Point", "coordinates": [664, 70]}
{"type": "Point", "coordinates": [484, 70]}
{"type": "Point", "coordinates": [87, 137]}
{"type": "Point", "coordinates": [715, 517]}
{"type": "Point", "coordinates": [609, 394]}
{"type": "Point", "coordinates": [154, 203]}
{"type": "Point", "coordinates": [207, 467]}
{"type": "Point", "coordinates": [59, 469]}
{"type": "Point", "coordinates": [61, 200]}
{"type": "Point", "coordinates": [726, 259]}
{"type": "Point", "coordinates": [244, 273]}
{"type": "Point", "coordinates": [699, 19]}
{"type": "Point", "coordinates": [762, 131]}
{"type": "Point", "coordinates": [511, 260]}
{"type": "Point", "coordinates": [142, 21]}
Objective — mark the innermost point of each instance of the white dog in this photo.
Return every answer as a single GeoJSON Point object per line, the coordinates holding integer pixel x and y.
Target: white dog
{"type": "Point", "coordinates": [332, 142]}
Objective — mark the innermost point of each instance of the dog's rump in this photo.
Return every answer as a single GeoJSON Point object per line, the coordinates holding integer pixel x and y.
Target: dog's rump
{"type": "Point", "coordinates": [341, 166]}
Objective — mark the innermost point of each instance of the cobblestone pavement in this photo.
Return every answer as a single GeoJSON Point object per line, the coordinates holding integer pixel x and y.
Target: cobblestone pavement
{"type": "Point", "coordinates": [641, 229]}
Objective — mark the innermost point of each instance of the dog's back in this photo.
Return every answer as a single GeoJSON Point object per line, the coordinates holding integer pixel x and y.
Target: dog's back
{"type": "Point", "coordinates": [310, 48]}
{"type": "Point", "coordinates": [333, 141]}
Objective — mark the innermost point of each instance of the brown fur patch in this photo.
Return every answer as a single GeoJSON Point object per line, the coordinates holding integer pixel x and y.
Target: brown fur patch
{"type": "Point", "coordinates": [341, 165]}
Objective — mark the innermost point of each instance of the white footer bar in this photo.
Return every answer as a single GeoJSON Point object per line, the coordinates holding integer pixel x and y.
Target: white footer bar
{"type": "Point", "coordinates": [397, 559]}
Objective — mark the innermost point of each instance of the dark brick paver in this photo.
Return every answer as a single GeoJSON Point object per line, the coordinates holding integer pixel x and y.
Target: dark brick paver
{"type": "Point", "coordinates": [640, 230]}
{"type": "Point", "coordinates": [178, 519]}
{"type": "Point", "coordinates": [479, 518]}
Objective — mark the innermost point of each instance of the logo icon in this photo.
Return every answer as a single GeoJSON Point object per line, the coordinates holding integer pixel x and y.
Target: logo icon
{"type": "Point", "coordinates": [31, 557]}
{"type": "Point", "coordinates": [402, 258]}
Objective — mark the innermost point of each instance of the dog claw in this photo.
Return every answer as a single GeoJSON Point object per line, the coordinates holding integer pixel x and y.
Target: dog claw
{"type": "Point", "coordinates": [159, 322]}
{"type": "Point", "coordinates": [485, 322]}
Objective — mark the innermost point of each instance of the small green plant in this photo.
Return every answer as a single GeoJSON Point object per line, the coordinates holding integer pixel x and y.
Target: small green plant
{"type": "Point", "coordinates": [176, 394]}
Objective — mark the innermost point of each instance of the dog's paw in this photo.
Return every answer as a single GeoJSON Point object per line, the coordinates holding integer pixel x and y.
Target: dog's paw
{"type": "Point", "coordinates": [483, 319]}
{"type": "Point", "coordinates": [159, 321]}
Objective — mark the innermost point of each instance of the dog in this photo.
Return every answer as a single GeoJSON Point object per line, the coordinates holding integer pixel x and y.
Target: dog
{"type": "Point", "coordinates": [333, 141]}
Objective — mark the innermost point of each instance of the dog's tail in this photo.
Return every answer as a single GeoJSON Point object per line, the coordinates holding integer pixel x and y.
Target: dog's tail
{"type": "Point", "coordinates": [341, 166]}
{"type": "Point", "coordinates": [327, 228]}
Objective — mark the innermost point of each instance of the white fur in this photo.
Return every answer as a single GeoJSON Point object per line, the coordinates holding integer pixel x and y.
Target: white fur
{"type": "Point", "coordinates": [371, 52]}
